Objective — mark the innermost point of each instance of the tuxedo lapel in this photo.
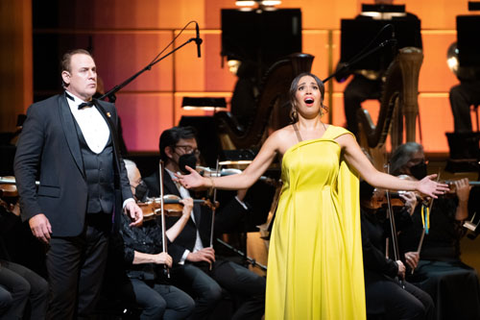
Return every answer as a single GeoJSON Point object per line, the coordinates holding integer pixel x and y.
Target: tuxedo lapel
{"type": "Point", "coordinates": [69, 129]}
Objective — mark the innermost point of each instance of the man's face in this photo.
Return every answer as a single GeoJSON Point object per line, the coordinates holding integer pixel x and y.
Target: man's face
{"type": "Point", "coordinates": [81, 80]}
{"type": "Point", "coordinates": [183, 146]}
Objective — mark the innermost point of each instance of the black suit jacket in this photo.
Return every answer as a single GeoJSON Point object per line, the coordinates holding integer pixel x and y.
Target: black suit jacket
{"type": "Point", "coordinates": [225, 217]}
{"type": "Point", "coordinates": [49, 150]}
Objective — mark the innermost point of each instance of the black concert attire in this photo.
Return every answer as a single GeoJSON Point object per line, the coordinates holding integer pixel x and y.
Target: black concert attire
{"type": "Point", "coordinates": [79, 191]}
{"type": "Point", "coordinates": [18, 284]}
{"type": "Point", "coordinates": [197, 278]}
{"type": "Point", "coordinates": [365, 84]}
{"type": "Point", "coordinates": [462, 96]}
{"type": "Point", "coordinates": [153, 292]}
{"type": "Point", "coordinates": [453, 285]}
{"type": "Point", "coordinates": [384, 294]}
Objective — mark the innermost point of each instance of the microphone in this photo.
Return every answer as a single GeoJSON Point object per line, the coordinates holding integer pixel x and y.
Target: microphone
{"type": "Point", "coordinates": [198, 41]}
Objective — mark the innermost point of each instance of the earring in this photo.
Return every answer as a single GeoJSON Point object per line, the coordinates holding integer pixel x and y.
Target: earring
{"type": "Point", "coordinates": [293, 116]}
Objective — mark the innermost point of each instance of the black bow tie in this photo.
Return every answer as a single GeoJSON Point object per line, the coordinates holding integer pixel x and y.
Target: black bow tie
{"type": "Point", "coordinates": [86, 104]}
{"type": "Point", "coordinates": [90, 103]}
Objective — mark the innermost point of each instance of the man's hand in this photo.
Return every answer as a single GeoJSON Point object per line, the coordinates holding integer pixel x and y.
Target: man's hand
{"type": "Point", "coordinates": [163, 258]}
{"type": "Point", "coordinates": [206, 254]}
{"type": "Point", "coordinates": [411, 258]}
{"type": "Point", "coordinates": [40, 227]}
{"type": "Point", "coordinates": [401, 269]}
{"type": "Point", "coordinates": [134, 212]}
{"type": "Point", "coordinates": [462, 189]}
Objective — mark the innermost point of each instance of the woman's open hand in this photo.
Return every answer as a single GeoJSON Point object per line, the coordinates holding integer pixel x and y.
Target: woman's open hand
{"type": "Point", "coordinates": [191, 181]}
{"type": "Point", "coordinates": [431, 188]}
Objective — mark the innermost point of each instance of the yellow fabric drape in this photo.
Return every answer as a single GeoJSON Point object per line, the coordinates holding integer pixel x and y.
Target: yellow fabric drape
{"type": "Point", "coordinates": [315, 266]}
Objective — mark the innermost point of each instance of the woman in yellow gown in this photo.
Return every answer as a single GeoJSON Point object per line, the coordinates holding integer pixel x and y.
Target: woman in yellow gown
{"type": "Point", "coordinates": [315, 266]}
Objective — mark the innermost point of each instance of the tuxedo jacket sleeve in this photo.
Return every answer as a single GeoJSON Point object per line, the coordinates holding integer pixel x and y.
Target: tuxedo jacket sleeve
{"type": "Point", "coordinates": [49, 150]}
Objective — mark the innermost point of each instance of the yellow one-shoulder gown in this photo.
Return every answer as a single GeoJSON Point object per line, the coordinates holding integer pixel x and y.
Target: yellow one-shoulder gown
{"type": "Point", "coordinates": [315, 266]}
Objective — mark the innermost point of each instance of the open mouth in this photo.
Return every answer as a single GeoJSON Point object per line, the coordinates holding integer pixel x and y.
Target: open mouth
{"type": "Point", "coordinates": [308, 101]}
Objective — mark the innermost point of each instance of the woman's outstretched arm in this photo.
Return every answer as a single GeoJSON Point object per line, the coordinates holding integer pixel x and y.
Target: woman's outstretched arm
{"type": "Point", "coordinates": [357, 159]}
{"type": "Point", "coordinates": [242, 180]}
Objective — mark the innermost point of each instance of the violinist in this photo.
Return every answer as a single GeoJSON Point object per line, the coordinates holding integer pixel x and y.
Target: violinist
{"type": "Point", "coordinates": [452, 284]}
{"type": "Point", "coordinates": [196, 267]}
{"type": "Point", "coordinates": [386, 292]}
{"type": "Point", "coordinates": [20, 287]}
{"type": "Point", "coordinates": [144, 261]}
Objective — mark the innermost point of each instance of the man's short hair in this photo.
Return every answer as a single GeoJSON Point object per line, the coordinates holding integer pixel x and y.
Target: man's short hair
{"type": "Point", "coordinates": [65, 63]}
{"type": "Point", "coordinates": [170, 137]}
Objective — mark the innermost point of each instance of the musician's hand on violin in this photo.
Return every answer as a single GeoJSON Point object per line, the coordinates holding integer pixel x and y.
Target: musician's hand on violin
{"type": "Point", "coordinates": [164, 258]}
{"type": "Point", "coordinates": [134, 212]}
{"type": "Point", "coordinates": [401, 269]}
{"type": "Point", "coordinates": [431, 188]}
{"type": "Point", "coordinates": [192, 180]}
{"type": "Point", "coordinates": [411, 258]}
{"type": "Point", "coordinates": [187, 206]}
{"type": "Point", "coordinates": [206, 254]}
{"type": "Point", "coordinates": [462, 189]}
{"type": "Point", "coordinates": [41, 227]}
{"type": "Point", "coordinates": [410, 199]}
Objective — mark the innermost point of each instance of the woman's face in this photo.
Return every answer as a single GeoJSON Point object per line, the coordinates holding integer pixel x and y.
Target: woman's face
{"type": "Point", "coordinates": [308, 97]}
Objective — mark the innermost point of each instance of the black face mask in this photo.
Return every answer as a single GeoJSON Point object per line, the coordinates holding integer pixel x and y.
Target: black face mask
{"type": "Point", "coordinates": [141, 191]}
{"type": "Point", "coordinates": [419, 171]}
{"type": "Point", "coordinates": [188, 159]}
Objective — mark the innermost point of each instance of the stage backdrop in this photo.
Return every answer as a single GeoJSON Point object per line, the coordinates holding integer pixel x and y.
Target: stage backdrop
{"type": "Point", "coordinates": [125, 36]}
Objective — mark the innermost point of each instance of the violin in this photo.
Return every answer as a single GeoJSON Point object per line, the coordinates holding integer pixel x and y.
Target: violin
{"type": "Point", "coordinates": [8, 189]}
{"type": "Point", "coordinates": [209, 172]}
{"type": "Point", "coordinates": [172, 206]}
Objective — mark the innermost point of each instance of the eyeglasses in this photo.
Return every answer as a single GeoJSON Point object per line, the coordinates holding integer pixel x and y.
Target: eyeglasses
{"type": "Point", "coordinates": [189, 149]}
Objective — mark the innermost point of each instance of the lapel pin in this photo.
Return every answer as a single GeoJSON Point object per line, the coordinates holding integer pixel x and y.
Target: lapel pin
{"type": "Point", "coordinates": [109, 115]}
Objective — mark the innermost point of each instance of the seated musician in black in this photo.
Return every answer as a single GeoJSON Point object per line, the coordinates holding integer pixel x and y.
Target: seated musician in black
{"type": "Point", "coordinates": [146, 263]}
{"type": "Point", "coordinates": [385, 294]}
{"type": "Point", "coordinates": [22, 291]}
{"type": "Point", "coordinates": [196, 268]}
{"type": "Point", "coordinates": [462, 96]}
{"type": "Point", "coordinates": [453, 285]}
{"type": "Point", "coordinates": [365, 84]}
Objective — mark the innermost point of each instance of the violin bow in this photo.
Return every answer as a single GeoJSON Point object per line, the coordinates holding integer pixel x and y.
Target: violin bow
{"type": "Point", "coordinates": [422, 237]}
{"type": "Point", "coordinates": [214, 207]}
{"type": "Point", "coordinates": [393, 229]}
{"type": "Point", "coordinates": [162, 210]}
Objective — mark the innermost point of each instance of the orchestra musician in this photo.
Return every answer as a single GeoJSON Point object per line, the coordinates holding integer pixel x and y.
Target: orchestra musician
{"type": "Point", "coordinates": [144, 259]}
{"type": "Point", "coordinates": [68, 142]}
{"type": "Point", "coordinates": [386, 292]}
{"type": "Point", "coordinates": [453, 285]}
{"type": "Point", "coordinates": [317, 224]}
{"type": "Point", "coordinates": [19, 286]}
{"type": "Point", "coordinates": [197, 269]}
{"type": "Point", "coordinates": [366, 84]}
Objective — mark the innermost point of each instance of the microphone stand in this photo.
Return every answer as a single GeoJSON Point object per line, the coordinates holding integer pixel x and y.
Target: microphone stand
{"type": "Point", "coordinates": [250, 260]}
{"type": "Point", "coordinates": [111, 94]}
{"type": "Point", "coordinates": [346, 66]}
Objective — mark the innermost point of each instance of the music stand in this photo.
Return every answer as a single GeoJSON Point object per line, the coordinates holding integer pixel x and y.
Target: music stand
{"type": "Point", "coordinates": [358, 33]}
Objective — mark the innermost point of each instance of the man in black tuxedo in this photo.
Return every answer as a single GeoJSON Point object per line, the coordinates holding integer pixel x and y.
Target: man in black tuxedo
{"type": "Point", "coordinates": [196, 267]}
{"type": "Point", "coordinates": [68, 142]}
